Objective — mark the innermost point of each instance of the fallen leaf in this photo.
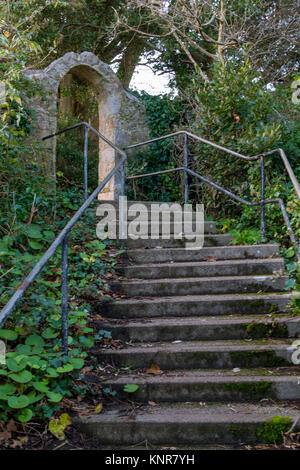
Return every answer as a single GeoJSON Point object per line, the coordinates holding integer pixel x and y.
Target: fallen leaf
{"type": "Point", "coordinates": [131, 388]}
{"type": "Point", "coordinates": [19, 443]}
{"type": "Point", "coordinates": [152, 403]}
{"type": "Point", "coordinates": [65, 420]}
{"type": "Point", "coordinates": [154, 369]}
{"type": "Point", "coordinates": [11, 426]}
{"type": "Point", "coordinates": [4, 436]}
{"type": "Point", "coordinates": [58, 426]}
{"type": "Point", "coordinates": [210, 258]}
{"type": "Point", "coordinates": [99, 408]}
{"type": "Point", "coordinates": [56, 429]}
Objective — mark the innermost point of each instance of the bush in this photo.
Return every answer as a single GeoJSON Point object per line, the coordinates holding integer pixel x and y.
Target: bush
{"type": "Point", "coordinates": [164, 114]}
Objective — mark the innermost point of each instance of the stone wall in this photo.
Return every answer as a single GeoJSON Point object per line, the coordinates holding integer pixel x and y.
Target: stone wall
{"type": "Point", "coordinates": [122, 118]}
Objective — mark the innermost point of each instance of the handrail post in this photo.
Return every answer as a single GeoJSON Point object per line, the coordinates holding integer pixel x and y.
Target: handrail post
{"type": "Point", "coordinates": [64, 295]}
{"type": "Point", "coordinates": [186, 164]}
{"type": "Point", "coordinates": [85, 157]}
{"type": "Point", "coordinates": [262, 213]}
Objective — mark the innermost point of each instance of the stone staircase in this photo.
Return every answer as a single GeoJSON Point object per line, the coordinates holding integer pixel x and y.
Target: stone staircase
{"type": "Point", "coordinates": [216, 323]}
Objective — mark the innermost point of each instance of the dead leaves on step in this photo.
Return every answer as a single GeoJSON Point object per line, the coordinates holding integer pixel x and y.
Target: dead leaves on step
{"type": "Point", "coordinates": [291, 439]}
{"type": "Point", "coordinates": [210, 259]}
{"type": "Point", "coordinates": [154, 370]}
{"type": "Point", "coordinates": [7, 434]}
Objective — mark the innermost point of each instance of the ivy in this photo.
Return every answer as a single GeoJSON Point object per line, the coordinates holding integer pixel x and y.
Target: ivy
{"type": "Point", "coordinates": [37, 376]}
{"type": "Point", "coordinates": [164, 113]}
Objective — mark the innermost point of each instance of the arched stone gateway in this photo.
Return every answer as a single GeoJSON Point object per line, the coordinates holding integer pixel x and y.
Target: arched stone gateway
{"type": "Point", "coordinates": [122, 118]}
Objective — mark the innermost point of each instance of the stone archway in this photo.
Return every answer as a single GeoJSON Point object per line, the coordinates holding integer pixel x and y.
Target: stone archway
{"type": "Point", "coordinates": [122, 118]}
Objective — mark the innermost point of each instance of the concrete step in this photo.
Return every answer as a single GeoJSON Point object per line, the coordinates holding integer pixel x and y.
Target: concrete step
{"type": "Point", "coordinates": [203, 328]}
{"type": "Point", "coordinates": [200, 305]}
{"type": "Point", "coordinates": [202, 355]}
{"type": "Point", "coordinates": [143, 256]}
{"type": "Point", "coordinates": [209, 240]}
{"type": "Point", "coordinates": [238, 267]}
{"type": "Point", "coordinates": [200, 285]}
{"type": "Point", "coordinates": [193, 386]}
{"type": "Point", "coordinates": [190, 424]}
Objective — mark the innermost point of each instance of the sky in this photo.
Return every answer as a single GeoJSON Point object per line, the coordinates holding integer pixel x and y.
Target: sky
{"type": "Point", "coordinates": [145, 79]}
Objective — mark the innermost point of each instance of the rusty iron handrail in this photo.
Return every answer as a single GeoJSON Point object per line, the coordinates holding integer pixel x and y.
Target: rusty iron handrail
{"type": "Point", "coordinates": [232, 196]}
{"type": "Point", "coordinates": [231, 152]}
{"type": "Point", "coordinates": [87, 127]}
{"type": "Point", "coordinates": [262, 156]}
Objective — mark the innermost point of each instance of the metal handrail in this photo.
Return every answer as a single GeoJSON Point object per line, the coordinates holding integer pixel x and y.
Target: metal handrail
{"type": "Point", "coordinates": [232, 196]}
{"type": "Point", "coordinates": [235, 154]}
{"type": "Point", "coordinates": [62, 239]}
{"type": "Point", "coordinates": [231, 152]}
{"type": "Point", "coordinates": [87, 127]}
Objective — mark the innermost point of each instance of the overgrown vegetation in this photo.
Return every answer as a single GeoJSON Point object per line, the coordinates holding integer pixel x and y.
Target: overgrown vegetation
{"type": "Point", "coordinates": [272, 430]}
{"type": "Point", "coordinates": [37, 376]}
{"type": "Point", "coordinates": [163, 115]}
{"type": "Point", "coordinates": [225, 94]}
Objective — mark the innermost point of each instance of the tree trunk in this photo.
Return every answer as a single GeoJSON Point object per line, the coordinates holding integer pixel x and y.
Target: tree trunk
{"type": "Point", "coordinates": [129, 60]}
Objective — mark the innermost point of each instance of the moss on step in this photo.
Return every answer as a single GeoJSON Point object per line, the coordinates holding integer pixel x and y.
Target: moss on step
{"type": "Point", "coordinates": [254, 389]}
{"type": "Point", "coordinates": [271, 431]}
{"type": "Point", "coordinates": [209, 356]}
{"type": "Point", "coordinates": [235, 431]}
{"type": "Point", "coordinates": [252, 358]}
{"type": "Point", "coordinates": [258, 330]}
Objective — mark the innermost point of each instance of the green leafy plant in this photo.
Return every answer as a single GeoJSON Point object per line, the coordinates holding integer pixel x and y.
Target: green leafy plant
{"type": "Point", "coordinates": [131, 388]}
{"type": "Point", "coordinates": [36, 374]}
{"type": "Point", "coordinates": [245, 237]}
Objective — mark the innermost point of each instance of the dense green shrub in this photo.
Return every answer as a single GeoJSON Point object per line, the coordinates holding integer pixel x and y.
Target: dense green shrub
{"type": "Point", "coordinates": [164, 115]}
{"type": "Point", "coordinates": [235, 110]}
